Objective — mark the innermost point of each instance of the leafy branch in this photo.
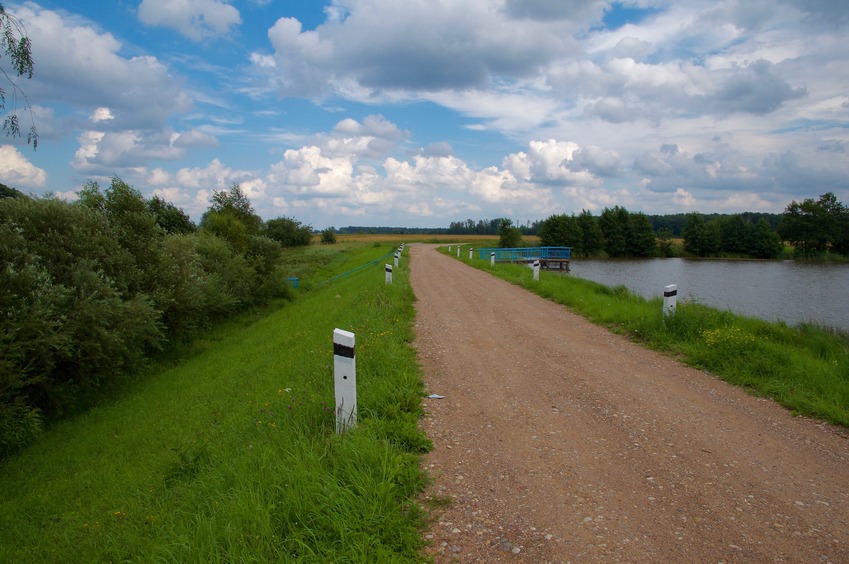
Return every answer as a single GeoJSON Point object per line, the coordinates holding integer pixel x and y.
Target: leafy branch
{"type": "Point", "coordinates": [18, 48]}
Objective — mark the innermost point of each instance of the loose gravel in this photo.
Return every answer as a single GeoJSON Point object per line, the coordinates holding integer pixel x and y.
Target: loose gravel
{"type": "Point", "coordinates": [558, 441]}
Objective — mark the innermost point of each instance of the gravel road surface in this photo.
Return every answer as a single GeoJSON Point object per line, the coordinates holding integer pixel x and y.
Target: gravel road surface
{"type": "Point", "coordinates": [557, 441]}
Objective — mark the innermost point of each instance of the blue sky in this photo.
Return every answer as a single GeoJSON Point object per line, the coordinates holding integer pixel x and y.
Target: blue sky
{"type": "Point", "coordinates": [417, 113]}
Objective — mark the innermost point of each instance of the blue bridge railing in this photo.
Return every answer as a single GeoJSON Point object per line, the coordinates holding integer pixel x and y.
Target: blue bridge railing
{"type": "Point", "coordinates": [527, 253]}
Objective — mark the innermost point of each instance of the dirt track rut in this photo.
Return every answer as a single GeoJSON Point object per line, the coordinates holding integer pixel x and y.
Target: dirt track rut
{"type": "Point", "coordinates": [558, 441]}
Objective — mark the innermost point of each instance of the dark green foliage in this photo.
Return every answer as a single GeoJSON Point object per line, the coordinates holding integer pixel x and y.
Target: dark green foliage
{"type": "Point", "coordinates": [582, 233]}
{"type": "Point", "coordinates": [592, 237]}
{"type": "Point", "coordinates": [700, 238]}
{"type": "Point", "coordinates": [765, 242]}
{"type": "Point", "coordinates": [328, 236]}
{"type": "Point", "coordinates": [615, 225]}
{"type": "Point", "coordinates": [9, 192]}
{"type": "Point", "coordinates": [169, 217]}
{"type": "Point", "coordinates": [509, 237]}
{"type": "Point", "coordinates": [560, 231]}
{"type": "Point", "coordinates": [90, 289]}
{"type": "Point", "coordinates": [816, 226]}
{"type": "Point", "coordinates": [233, 205]}
{"type": "Point", "coordinates": [675, 222]}
{"type": "Point", "coordinates": [289, 232]}
{"type": "Point", "coordinates": [481, 227]}
{"type": "Point", "coordinates": [641, 239]}
{"type": "Point", "coordinates": [730, 235]}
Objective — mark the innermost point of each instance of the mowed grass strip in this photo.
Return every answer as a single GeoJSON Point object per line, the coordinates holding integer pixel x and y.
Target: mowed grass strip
{"type": "Point", "coordinates": [231, 454]}
{"type": "Point", "coordinates": [804, 368]}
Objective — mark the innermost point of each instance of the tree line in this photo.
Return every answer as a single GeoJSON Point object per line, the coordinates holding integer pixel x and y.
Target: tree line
{"type": "Point", "coordinates": [811, 228]}
{"type": "Point", "coordinates": [91, 288]}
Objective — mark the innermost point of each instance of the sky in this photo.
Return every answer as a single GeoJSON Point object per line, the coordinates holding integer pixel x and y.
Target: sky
{"type": "Point", "coordinates": [417, 113]}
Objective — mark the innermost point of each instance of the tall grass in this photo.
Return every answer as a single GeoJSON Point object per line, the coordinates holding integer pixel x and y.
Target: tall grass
{"type": "Point", "coordinates": [230, 454]}
{"type": "Point", "coordinates": [804, 368]}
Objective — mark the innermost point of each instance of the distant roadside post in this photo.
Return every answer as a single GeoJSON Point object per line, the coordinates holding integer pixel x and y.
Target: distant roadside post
{"type": "Point", "coordinates": [458, 251]}
{"type": "Point", "coordinates": [670, 297]}
{"type": "Point", "coordinates": [492, 258]}
{"type": "Point", "coordinates": [536, 269]}
{"type": "Point", "coordinates": [397, 256]}
{"type": "Point", "coordinates": [470, 253]}
{"type": "Point", "coordinates": [388, 270]}
{"type": "Point", "coordinates": [345, 377]}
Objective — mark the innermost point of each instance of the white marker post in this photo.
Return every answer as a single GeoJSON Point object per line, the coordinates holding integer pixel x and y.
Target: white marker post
{"type": "Point", "coordinates": [397, 256]}
{"type": "Point", "coordinates": [449, 248]}
{"type": "Point", "coordinates": [492, 258]}
{"type": "Point", "coordinates": [670, 297]}
{"type": "Point", "coordinates": [458, 251]}
{"type": "Point", "coordinates": [345, 376]}
{"type": "Point", "coordinates": [470, 253]}
{"type": "Point", "coordinates": [389, 274]}
{"type": "Point", "coordinates": [536, 269]}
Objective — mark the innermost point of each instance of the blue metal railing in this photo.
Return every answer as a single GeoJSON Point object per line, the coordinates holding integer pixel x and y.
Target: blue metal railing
{"type": "Point", "coordinates": [527, 253]}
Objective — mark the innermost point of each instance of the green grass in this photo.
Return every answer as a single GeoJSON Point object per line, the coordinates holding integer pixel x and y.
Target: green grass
{"type": "Point", "coordinates": [805, 368]}
{"type": "Point", "coordinates": [228, 452]}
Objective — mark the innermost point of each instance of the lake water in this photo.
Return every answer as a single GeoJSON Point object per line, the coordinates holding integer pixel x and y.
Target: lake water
{"type": "Point", "coordinates": [791, 291]}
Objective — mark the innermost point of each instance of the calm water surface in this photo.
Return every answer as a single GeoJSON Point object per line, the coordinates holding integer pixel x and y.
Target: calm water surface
{"type": "Point", "coordinates": [791, 291]}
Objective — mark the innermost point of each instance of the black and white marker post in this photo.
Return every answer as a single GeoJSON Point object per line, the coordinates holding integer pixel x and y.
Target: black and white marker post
{"type": "Point", "coordinates": [536, 270]}
{"type": "Point", "coordinates": [389, 274]}
{"type": "Point", "coordinates": [397, 256]}
{"type": "Point", "coordinates": [470, 253]}
{"type": "Point", "coordinates": [458, 251]}
{"type": "Point", "coordinates": [492, 258]}
{"type": "Point", "coordinates": [670, 297]}
{"type": "Point", "coordinates": [345, 376]}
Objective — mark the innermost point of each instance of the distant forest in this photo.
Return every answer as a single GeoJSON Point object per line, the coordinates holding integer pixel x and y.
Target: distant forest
{"type": "Point", "coordinates": [673, 222]}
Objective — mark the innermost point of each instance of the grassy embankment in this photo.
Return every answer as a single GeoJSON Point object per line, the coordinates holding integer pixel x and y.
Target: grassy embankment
{"type": "Point", "coordinates": [227, 450]}
{"type": "Point", "coordinates": [805, 368]}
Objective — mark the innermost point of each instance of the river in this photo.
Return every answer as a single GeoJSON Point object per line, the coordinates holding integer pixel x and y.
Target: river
{"type": "Point", "coordinates": [791, 291]}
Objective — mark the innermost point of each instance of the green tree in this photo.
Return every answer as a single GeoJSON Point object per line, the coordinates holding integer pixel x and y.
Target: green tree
{"type": "Point", "coordinates": [169, 217]}
{"type": "Point", "coordinates": [328, 236]}
{"type": "Point", "coordinates": [764, 241]}
{"type": "Point", "coordinates": [15, 44]}
{"type": "Point", "coordinates": [9, 192]}
{"type": "Point", "coordinates": [615, 225]}
{"type": "Point", "coordinates": [288, 231]}
{"type": "Point", "coordinates": [700, 238]}
{"type": "Point", "coordinates": [736, 234]}
{"type": "Point", "coordinates": [235, 202]}
{"type": "Point", "coordinates": [560, 231]}
{"type": "Point", "coordinates": [592, 237]}
{"type": "Point", "coordinates": [642, 241]}
{"type": "Point", "coordinates": [133, 225]}
{"type": "Point", "coordinates": [814, 226]}
{"type": "Point", "coordinates": [509, 237]}
{"type": "Point", "coordinates": [231, 217]}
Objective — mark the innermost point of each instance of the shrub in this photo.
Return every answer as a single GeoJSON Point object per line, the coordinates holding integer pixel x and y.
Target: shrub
{"type": "Point", "coordinates": [328, 236]}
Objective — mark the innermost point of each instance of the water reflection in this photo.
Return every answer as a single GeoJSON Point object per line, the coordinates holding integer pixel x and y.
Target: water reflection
{"type": "Point", "coordinates": [791, 291]}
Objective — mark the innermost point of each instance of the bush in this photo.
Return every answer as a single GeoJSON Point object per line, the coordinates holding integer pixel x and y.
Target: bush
{"type": "Point", "coordinates": [89, 290]}
{"type": "Point", "coordinates": [328, 236]}
{"type": "Point", "coordinates": [289, 232]}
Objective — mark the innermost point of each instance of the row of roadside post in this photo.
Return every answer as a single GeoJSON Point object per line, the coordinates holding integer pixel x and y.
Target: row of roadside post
{"type": "Point", "coordinates": [345, 366]}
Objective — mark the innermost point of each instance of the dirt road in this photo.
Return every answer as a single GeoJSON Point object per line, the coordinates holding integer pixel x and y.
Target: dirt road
{"type": "Point", "coordinates": [558, 441]}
